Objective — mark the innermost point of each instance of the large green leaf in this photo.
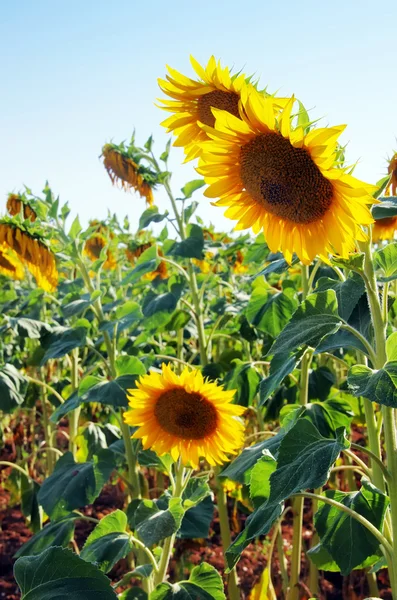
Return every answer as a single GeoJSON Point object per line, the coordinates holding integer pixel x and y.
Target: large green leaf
{"type": "Point", "coordinates": [245, 379]}
{"type": "Point", "coordinates": [348, 292]}
{"type": "Point", "coordinates": [304, 461]}
{"type": "Point", "coordinates": [109, 542]}
{"type": "Point", "coordinates": [315, 318]}
{"type": "Point", "coordinates": [12, 388]}
{"type": "Point", "coordinates": [204, 583]}
{"type": "Point", "coordinates": [379, 386]}
{"type": "Point", "coordinates": [327, 416]}
{"type": "Point", "coordinates": [386, 260]}
{"type": "Point", "coordinates": [260, 479]}
{"type": "Point", "coordinates": [153, 524]}
{"type": "Point", "coordinates": [197, 520]}
{"type": "Point", "coordinates": [73, 485]}
{"type": "Point", "coordinates": [191, 186]}
{"type": "Point", "coordinates": [113, 393]}
{"type": "Point", "coordinates": [280, 367]}
{"type": "Point", "coordinates": [269, 312]}
{"type": "Point", "coordinates": [387, 208]}
{"type": "Point", "coordinates": [347, 541]}
{"type": "Point", "coordinates": [61, 341]}
{"type": "Point", "coordinates": [56, 533]}
{"type": "Point", "coordinates": [29, 327]}
{"type": "Point", "coordinates": [58, 573]}
{"type": "Point", "coordinates": [147, 262]}
{"type": "Point", "coordinates": [151, 215]}
{"type": "Point", "coordinates": [192, 246]}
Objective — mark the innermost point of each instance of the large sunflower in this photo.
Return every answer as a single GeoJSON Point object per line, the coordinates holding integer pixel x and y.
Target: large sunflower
{"type": "Point", "coordinates": [193, 101]}
{"type": "Point", "coordinates": [186, 416]}
{"type": "Point", "coordinates": [10, 266]}
{"type": "Point", "coordinates": [33, 253]}
{"type": "Point", "coordinates": [15, 204]}
{"type": "Point", "coordinates": [284, 181]}
{"type": "Point", "coordinates": [122, 169]}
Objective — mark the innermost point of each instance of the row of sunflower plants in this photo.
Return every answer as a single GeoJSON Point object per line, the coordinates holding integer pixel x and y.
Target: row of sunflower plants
{"type": "Point", "coordinates": [202, 372]}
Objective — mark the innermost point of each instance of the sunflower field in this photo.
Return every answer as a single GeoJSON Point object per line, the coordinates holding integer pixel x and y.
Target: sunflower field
{"type": "Point", "coordinates": [195, 414]}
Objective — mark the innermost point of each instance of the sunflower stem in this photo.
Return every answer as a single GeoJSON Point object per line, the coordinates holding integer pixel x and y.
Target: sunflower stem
{"type": "Point", "coordinates": [389, 414]}
{"type": "Point", "coordinates": [75, 414]}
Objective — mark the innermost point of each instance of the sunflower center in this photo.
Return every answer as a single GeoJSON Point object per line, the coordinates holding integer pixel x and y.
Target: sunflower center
{"type": "Point", "coordinates": [186, 415]}
{"type": "Point", "coordinates": [217, 99]}
{"type": "Point", "coordinates": [6, 264]}
{"type": "Point", "coordinates": [285, 180]}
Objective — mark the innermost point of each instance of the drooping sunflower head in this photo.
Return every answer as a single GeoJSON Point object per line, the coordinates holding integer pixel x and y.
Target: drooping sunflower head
{"type": "Point", "coordinates": [193, 101]}
{"type": "Point", "coordinates": [32, 252]}
{"type": "Point", "coordinates": [93, 248]}
{"type": "Point", "coordinates": [129, 173]}
{"type": "Point", "coordinates": [134, 250]}
{"type": "Point", "coordinates": [238, 267]}
{"type": "Point", "coordinates": [10, 265]}
{"type": "Point", "coordinates": [16, 205]}
{"type": "Point", "coordinates": [384, 229]}
{"type": "Point", "coordinates": [185, 416]}
{"type": "Point", "coordinates": [392, 170]}
{"type": "Point", "coordinates": [284, 181]}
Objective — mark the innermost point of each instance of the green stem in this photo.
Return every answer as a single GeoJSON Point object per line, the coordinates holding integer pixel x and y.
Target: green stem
{"type": "Point", "coordinates": [232, 581]}
{"type": "Point", "coordinates": [75, 414]}
{"type": "Point", "coordinates": [47, 386]}
{"type": "Point", "coordinates": [363, 340]}
{"type": "Point", "coordinates": [314, 577]}
{"type": "Point", "coordinates": [47, 426]}
{"type": "Point", "coordinates": [5, 463]}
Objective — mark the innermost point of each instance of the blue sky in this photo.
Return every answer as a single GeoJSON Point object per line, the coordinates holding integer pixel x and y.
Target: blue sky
{"type": "Point", "coordinates": [80, 73]}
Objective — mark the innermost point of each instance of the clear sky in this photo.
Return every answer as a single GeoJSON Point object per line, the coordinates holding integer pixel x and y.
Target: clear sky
{"type": "Point", "coordinates": [78, 73]}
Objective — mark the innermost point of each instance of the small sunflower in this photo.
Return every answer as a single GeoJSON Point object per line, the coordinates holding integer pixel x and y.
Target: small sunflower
{"type": "Point", "coordinates": [15, 204]}
{"type": "Point", "coordinates": [205, 265]}
{"type": "Point", "coordinates": [392, 170]}
{"type": "Point", "coordinates": [161, 272]}
{"type": "Point", "coordinates": [238, 267]}
{"type": "Point", "coordinates": [122, 169]}
{"type": "Point", "coordinates": [186, 416]}
{"type": "Point", "coordinates": [10, 266]}
{"type": "Point", "coordinates": [93, 248]}
{"type": "Point", "coordinates": [134, 251]}
{"type": "Point", "coordinates": [284, 181]}
{"type": "Point", "coordinates": [194, 99]}
{"type": "Point", "coordinates": [33, 253]}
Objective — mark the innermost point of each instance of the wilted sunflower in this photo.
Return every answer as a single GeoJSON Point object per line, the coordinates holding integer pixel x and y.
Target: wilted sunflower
{"type": "Point", "coordinates": [14, 205]}
{"type": "Point", "coordinates": [186, 416]}
{"type": "Point", "coordinates": [93, 248]}
{"type": "Point", "coordinates": [392, 170]}
{"type": "Point", "coordinates": [193, 101]}
{"type": "Point", "coordinates": [10, 266]}
{"type": "Point", "coordinates": [281, 180]}
{"type": "Point", "coordinates": [33, 253]}
{"type": "Point", "coordinates": [122, 169]}
{"type": "Point", "coordinates": [134, 251]}
{"type": "Point", "coordinates": [160, 272]}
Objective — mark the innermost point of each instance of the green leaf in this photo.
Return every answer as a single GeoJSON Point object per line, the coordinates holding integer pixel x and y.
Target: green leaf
{"type": "Point", "coordinates": [154, 525]}
{"type": "Point", "coordinates": [355, 261]}
{"type": "Point", "coordinates": [347, 541]}
{"type": "Point", "coordinates": [326, 416]}
{"type": "Point", "coordinates": [61, 341]}
{"type": "Point", "coordinates": [315, 318]}
{"type": "Point", "coordinates": [348, 292]}
{"type": "Point", "coordinates": [260, 479]}
{"type": "Point", "coordinates": [29, 502]}
{"type": "Point", "coordinates": [279, 265]}
{"type": "Point", "coordinates": [134, 593]}
{"type": "Point", "coordinates": [73, 485]}
{"type": "Point", "coordinates": [151, 215]}
{"type": "Point", "coordinates": [322, 558]}
{"type": "Point", "coordinates": [109, 542]}
{"type": "Point", "coordinates": [240, 469]}
{"type": "Point", "coordinates": [164, 155]}
{"type": "Point", "coordinates": [269, 312]}
{"type": "Point", "coordinates": [154, 303]}
{"type": "Point", "coordinates": [387, 208]}
{"type": "Point", "coordinates": [30, 328]}
{"type": "Point", "coordinates": [245, 379]}
{"type": "Point", "coordinates": [178, 321]}
{"type": "Point", "coordinates": [280, 367]}
{"type": "Point", "coordinates": [146, 263]}
{"type": "Point", "coordinates": [196, 490]}
{"type": "Point", "coordinates": [59, 573]}
{"type": "Point", "coordinates": [129, 365]}
{"type": "Point", "coordinates": [12, 388]}
{"type": "Point", "coordinates": [191, 187]}
{"type": "Point", "coordinates": [113, 393]}
{"type": "Point", "coordinates": [391, 347]}
{"type": "Point", "coordinates": [321, 381]}
{"type": "Point", "coordinates": [197, 520]}
{"type": "Point", "coordinates": [75, 229]}
{"type": "Point", "coordinates": [386, 260]}
{"type": "Point", "coordinates": [378, 386]}
{"type": "Point", "coordinates": [56, 533]}
{"type": "Point", "coordinates": [192, 246]}
{"type": "Point", "coordinates": [76, 307]}
{"type": "Point", "coordinates": [205, 583]}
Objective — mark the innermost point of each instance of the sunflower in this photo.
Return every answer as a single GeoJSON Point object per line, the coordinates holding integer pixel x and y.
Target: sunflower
{"type": "Point", "coordinates": [392, 170]}
{"type": "Point", "coordinates": [384, 229]}
{"type": "Point", "coordinates": [33, 253]}
{"type": "Point", "coordinates": [186, 416]}
{"type": "Point", "coordinates": [124, 170]}
{"type": "Point", "coordinates": [194, 99]}
{"type": "Point", "coordinates": [93, 248]}
{"type": "Point", "coordinates": [10, 266]}
{"type": "Point", "coordinates": [14, 205]}
{"type": "Point", "coordinates": [134, 251]}
{"type": "Point", "coordinates": [284, 181]}
{"type": "Point", "coordinates": [238, 267]}
{"type": "Point", "coordinates": [161, 272]}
